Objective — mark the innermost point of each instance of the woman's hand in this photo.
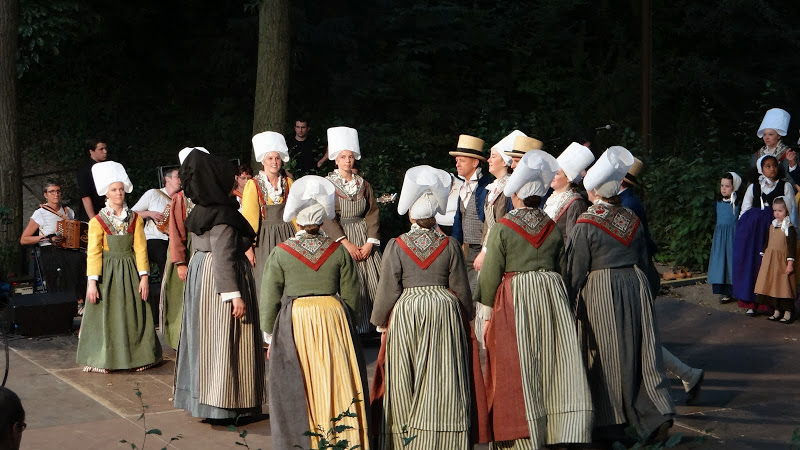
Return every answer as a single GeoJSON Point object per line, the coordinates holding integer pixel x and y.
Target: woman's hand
{"type": "Point", "coordinates": [91, 292]}
{"type": "Point", "coordinates": [352, 249]}
{"type": "Point", "coordinates": [789, 267]}
{"type": "Point", "coordinates": [238, 309]}
{"type": "Point", "coordinates": [478, 263]}
{"type": "Point", "coordinates": [269, 351]}
{"type": "Point", "coordinates": [183, 270]}
{"type": "Point", "coordinates": [144, 287]}
{"type": "Point", "coordinates": [251, 256]}
{"type": "Point", "coordinates": [366, 250]}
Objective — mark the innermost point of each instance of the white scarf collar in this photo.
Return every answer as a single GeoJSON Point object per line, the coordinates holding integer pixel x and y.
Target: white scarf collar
{"type": "Point", "coordinates": [119, 224]}
{"type": "Point", "coordinates": [767, 186]}
{"type": "Point", "coordinates": [495, 188]}
{"type": "Point", "coordinates": [784, 224]}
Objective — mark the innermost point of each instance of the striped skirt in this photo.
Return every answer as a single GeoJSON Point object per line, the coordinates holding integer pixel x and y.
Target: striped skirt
{"type": "Point", "coordinates": [427, 373]}
{"type": "Point", "coordinates": [623, 350]}
{"type": "Point", "coordinates": [368, 270]}
{"type": "Point", "coordinates": [533, 350]}
{"type": "Point", "coordinates": [220, 365]}
{"type": "Point", "coordinates": [330, 368]}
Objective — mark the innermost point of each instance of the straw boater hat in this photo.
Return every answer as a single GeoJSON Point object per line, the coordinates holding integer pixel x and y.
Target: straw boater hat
{"type": "Point", "coordinates": [185, 152]}
{"type": "Point", "coordinates": [634, 172]}
{"type": "Point", "coordinates": [424, 193]}
{"type": "Point", "coordinates": [608, 172]}
{"type": "Point", "coordinates": [270, 141]}
{"type": "Point", "coordinates": [506, 146]}
{"type": "Point", "coordinates": [532, 176]}
{"type": "Point", "coordinates": [343, 138]}
{"type": "Point", "coordinates": [469, 146]}
{"type": "Point", "coordinates": [522, 145]}
{"type": "Point", "coordinates": [310, 201]}
{"type": "Point", "coordinates": [108, 172]}
{"type": "Point", "coordinates": [573, 160]}
{"type": "Point", "coordinates": [777, 119]}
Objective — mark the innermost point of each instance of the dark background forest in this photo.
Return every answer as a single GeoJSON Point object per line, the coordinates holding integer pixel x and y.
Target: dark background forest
{"type": "Point", "coordinates": [153, 76]}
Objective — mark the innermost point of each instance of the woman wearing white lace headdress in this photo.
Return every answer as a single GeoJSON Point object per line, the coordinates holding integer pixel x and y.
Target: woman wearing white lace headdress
{"type": "Point", "coordinates": [495, 207]}
{"type": "Point", "coordinates": [566, 204]}
{"type": "Point", "coordinates": [607, 255]}
{"type": "Point", "coordinates": [117, 331]}
{"type": "Point", "coordinates": [535, 379]}
{"type": "Point", "coordinates": [309, 303]}
{"type": "Point", "coordinates": [356, 225]}
{"type": "Point", "coordinates": [431, 377]}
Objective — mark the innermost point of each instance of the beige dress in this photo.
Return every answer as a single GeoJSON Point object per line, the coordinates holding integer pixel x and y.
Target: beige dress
{"type": "Point", "coordinates": [773, 286]}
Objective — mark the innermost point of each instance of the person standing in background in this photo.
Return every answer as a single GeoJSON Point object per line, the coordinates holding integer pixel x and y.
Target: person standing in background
{"type": "Point", "coordinates": [91, 202]}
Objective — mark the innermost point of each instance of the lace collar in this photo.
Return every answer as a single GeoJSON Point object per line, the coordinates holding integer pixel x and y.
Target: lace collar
{"type": "Point", "coordinates": [495, 188]}
{"type": "Point", "coordinates": [351, 187]}
{"type": "Point", "coordinates": [274, 194]}
{"type": "Point", "coordinates": [116, 224]}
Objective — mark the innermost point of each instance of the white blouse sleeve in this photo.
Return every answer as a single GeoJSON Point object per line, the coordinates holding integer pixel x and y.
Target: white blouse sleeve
{"type": "Point", "coordinates": [747, 203]}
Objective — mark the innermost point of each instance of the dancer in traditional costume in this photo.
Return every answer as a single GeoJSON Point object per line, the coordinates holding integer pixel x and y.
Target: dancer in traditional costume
{"type": "Point", "coordinates": [356, 225]}
{"type": "Point", "coordinates": [117, 331]}
{"type": "Point", "coordinates": [720, 262]}
{"type": "Point", "coordinates": [536, 382]}
{"type": "Point", "coordinates": [566, 204]}
{"type": "Point", "coordinates": [607, 255]}
{"type": "Point", "coordinates": [495, 207]}
{"type": "Point", "coordinates": [219, 372]}
{"type": "Point", "coordinates": [176, 270]}
{"type": "Point", "coordinates": [430, 384]}
{"type": "Point", "coordinates": [316, 364]}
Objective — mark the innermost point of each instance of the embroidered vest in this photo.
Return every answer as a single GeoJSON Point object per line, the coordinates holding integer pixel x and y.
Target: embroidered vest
{"type": "Point", "coordinates": [531, 223]}
{"type": "Point", "coordinates": [312, 251]}
{"type": "Point", "coordinates": [619, 222]}
{"type": "Point", "coordinates": [423, 246]}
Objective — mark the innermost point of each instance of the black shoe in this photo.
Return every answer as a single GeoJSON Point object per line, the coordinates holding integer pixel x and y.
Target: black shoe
{"type": "Point", "coordinates": [692, 394]}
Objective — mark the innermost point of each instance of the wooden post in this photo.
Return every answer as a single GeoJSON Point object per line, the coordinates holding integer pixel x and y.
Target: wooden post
{"type": "Point", "coordinates": [647, 52]}
{"type": "Point", "coordinates": [10, 154]}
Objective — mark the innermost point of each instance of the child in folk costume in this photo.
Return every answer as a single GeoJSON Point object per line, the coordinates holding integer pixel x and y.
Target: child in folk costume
{"type": "Point", "coordinates": [537, 387]}
{"type": "Point", "coordinates": [607, 258]}
{"type": "Point", "coordinates": [309, 304]}
{"type": "Point", "coordinates": [177, 268]}
{"type": "Point", "coordinates": [720, 263]}
{"type": "Point", "coordinates": [752, 227]}
{"type": "Point", "coordinates": [264, 199]}
{"type": "Point", "coordinates": [433, 384]}
{"type": "Point", "coordinates": [117, 331]}
{"type": "Point", "coordinates": [775, 285]}
{"type": "Point", "coordinates": [566, 204]}
{"type": "Point", "coordinates": [495, 207]}
{"type": "Point", "coordinates": [219, 373]}
{"type": "Point", "coordinates": [356, 225]}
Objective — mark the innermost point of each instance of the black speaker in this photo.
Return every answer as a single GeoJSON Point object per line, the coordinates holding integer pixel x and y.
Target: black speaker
{"type": "Point", "coordinates": [43, 314]}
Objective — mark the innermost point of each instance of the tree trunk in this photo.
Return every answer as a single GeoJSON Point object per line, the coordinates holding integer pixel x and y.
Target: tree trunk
{"type": "Point", "coordinates": [272, 75]}
{"type": "Point", "coordinates": [10, 161]}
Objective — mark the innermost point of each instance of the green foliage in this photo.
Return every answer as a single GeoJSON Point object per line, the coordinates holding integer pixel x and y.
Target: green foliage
{"type": "Point", "coordinates": [143, 418]}
{"type": "Point", "coordinates": [794, 443]}
{"type": "Point", "coordinates": [44, 26]}
{"type": "Point", "coordinates": [242, 434]}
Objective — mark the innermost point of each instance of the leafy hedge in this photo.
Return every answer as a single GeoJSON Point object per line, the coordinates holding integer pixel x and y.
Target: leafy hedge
{"type": "Point", "coordinates": [679, 197]}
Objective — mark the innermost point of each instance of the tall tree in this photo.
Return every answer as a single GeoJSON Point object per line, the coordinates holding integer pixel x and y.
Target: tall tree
{"type": "Point", "coordinates": [10, 155]}
{"type": "Point", "coordinates": [272, 73]}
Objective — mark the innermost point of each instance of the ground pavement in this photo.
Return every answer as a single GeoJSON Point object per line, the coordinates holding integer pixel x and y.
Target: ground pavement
{"type": "Point", "coordinates": [749, 399]}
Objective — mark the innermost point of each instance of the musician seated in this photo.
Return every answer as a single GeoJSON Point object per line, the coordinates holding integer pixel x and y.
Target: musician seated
{"type": "Point", "coordinates": [62, 269]}
{"type": "Point", "coordinates": [154, 208]}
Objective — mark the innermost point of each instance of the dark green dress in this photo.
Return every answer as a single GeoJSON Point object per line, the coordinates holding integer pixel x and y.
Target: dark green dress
{"type": "Point", "coordinates": [118, 331]}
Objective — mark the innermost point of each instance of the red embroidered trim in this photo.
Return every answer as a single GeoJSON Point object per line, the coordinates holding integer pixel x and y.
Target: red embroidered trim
{"type": "Point", "coordinates": [314, 266]}
{"type": "Point", "coordinates": [535, 240]}
{"type": "Point", "coordinates": [429, 260]}
{"type": "Point", "coordinates": [626, 240]}
{"type": "Point", "coordinates": [132, 226]}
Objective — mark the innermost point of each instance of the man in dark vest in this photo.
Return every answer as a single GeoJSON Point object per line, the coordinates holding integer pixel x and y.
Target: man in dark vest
{"type": "Point", "coordinates": [468, 221]}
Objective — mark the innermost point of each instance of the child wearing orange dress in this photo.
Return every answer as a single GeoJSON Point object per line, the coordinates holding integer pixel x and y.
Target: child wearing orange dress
{"type": "Point", "coordinates": [775, 285]}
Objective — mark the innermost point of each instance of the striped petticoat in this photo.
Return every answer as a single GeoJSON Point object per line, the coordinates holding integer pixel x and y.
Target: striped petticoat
{"type": "Point", "coordinates": [220, 365]}
{"type": "Point", "coordinates": [330, 367]}
{"type": "Point", "coordinates": [368, 270]}
{"type": "Point", "coordinates": [623, 350]}
{"type": "Point", "coordinates": [427, 373]}
{"type": "Point", "coordinates": [552, 378]}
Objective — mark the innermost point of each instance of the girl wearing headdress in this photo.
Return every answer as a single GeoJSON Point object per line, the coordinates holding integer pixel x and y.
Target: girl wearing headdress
{"type": "Point", "coordinates": [117, 331]}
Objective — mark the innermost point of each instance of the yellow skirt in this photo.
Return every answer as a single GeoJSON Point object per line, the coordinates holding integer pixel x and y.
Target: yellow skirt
{"type": "Point", "coordinates": [330, 368]}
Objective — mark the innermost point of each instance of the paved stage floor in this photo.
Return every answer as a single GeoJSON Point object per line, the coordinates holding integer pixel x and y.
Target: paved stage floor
{"type": "Point", "coordinates": [749, 400]}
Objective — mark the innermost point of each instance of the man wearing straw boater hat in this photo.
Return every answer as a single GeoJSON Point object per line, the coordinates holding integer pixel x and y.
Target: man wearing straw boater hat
{"type": "Point", "coordinates": [522, 144]}
{"type": "Point", "coordinates": [468, 221]}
